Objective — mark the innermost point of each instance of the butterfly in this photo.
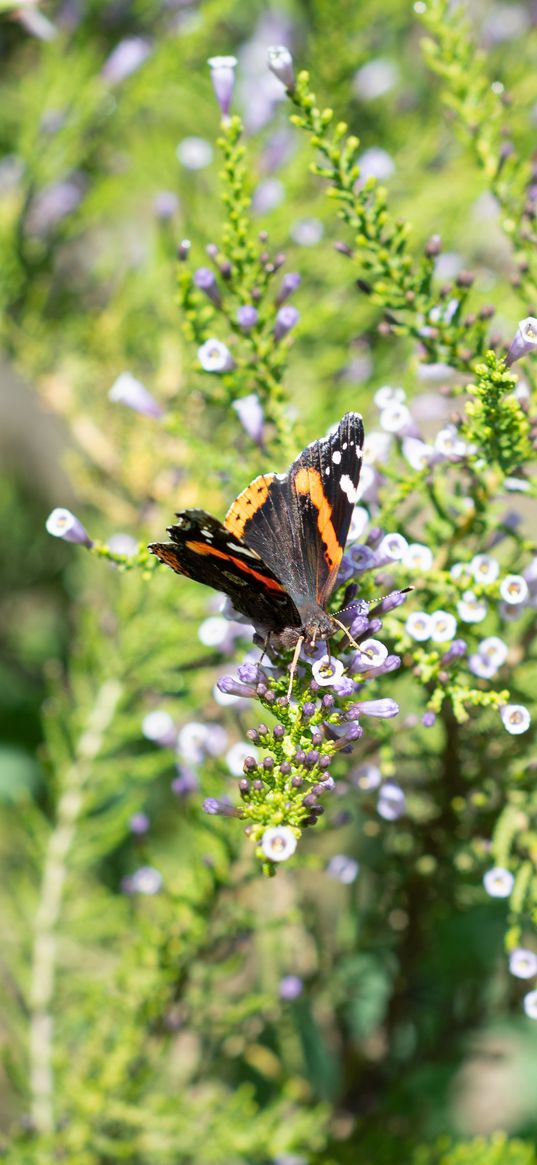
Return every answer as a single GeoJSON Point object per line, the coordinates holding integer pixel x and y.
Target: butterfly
{"type": "Point", "coordinates": [278, 551]}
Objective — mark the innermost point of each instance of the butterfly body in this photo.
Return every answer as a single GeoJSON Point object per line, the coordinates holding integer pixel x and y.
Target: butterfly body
{"type": "Point", "coordinates": [278, 551]}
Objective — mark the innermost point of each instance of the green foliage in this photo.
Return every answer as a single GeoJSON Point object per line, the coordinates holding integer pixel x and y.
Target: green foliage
{"type": "Point", "coordinates": [147, 1020]}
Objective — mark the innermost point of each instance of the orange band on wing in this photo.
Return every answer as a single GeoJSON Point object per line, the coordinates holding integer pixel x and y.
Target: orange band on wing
{"type": "Point", "coordinates": [246, 505]}
{"type": "Point", "coordinates": [203, 548]}
{"type": "Point", "coordinates": [308, 483]}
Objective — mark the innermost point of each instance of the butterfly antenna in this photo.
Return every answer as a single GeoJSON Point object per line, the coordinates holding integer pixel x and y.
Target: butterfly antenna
{"type": "Point", "coordinates": [294, 662]}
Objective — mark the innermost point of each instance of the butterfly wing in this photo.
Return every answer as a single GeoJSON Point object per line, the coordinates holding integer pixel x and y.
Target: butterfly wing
{"type": "Point", "coordinates": [298, 522]}
{"type": "Point", "coordinates": [203, 549]}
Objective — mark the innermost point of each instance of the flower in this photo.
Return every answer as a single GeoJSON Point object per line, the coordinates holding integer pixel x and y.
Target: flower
{"type": "Point", "coordinates": [372, 654]}
{"type": "Point", "coordinates": [250, 413]}
{"type": "Point", "coordinates": [523, 963]}
{"type": "Point", "coordinates": [205, 280]}
{"type": "Point", "coordinates": [515, 718]}
{"type": "Point", "coordinates": [278, 843]}
{"type": "Point", "coordinates": [139, 824]}
{"type": "Point", "coordinates": [220, 808]}
{"type": "Point", "coordinates": [366, 776]}
{"type": "Point", "coordinates": [61, 523]}
{"type": "Point", "coordinates": [236, 756]}
{"type": "Point", "coordinates": [129, 391]}
{"type": "Point", "coordinates": [215, 632]}
{"type": "Point", "coordinates": [194, 153]}
{"type": "Point", "coordinates": [267, 195]}
{"type": "Point", "coordinates": [223, 79]}
{"type": "Point", "coordinates": [125, 59]}
{"type": "Point", "coordinates": [53, 204]}
{"type": "Point", "coordinates": [498, 882]}
{"type": "Point", "coordinates": [146, 880]}
{"type": "Point", "coordinates": [471, 609]}
{"type": "Point", "coordinates": [530, 1004]}
{"type": "Point", "coordinates": [307, 232]}
{"type": "Point", "coordinates": [343, 869]}
{"type": "Point", "coordinates": [289, 284]}
{"type": "Point", "coordinates": [391, 802]}
{"type": "Point", "coordinates": [327, 671]}
{"type": "Point", "coordinates": [280, 62]}
{"type": "Point", "coordinates": [290, 987]}
{"type": "Point", "coordinates": [386, 395]}
{"type": "Point", "coordinates": [165, 205]}
{"type": "Point", "coordinates": [392, 548]}
{"type": "Point", "coordinates": [395, 417]}
{"type": "Point", "coordinates": [214, 356]}
{"type": "Point", "coordinates": [417, 452]}
{"type": "Point", "coordinates": [159, 727]}
{"type": "Point", "coordinates": [246, 316]}
{"type": "Point", "coordinates": [484, 568]}
{"type": "Point", "coordinates": [384, 709]}
{"type": "Point", "coordinates": [375, 163]}
{"type": "Point", "coordinates": [418, 557]}
{"type": "Point", "coordinates": [196, 740]}
{"type": "Point", "coordinates": [185, 782]}
{"type": "Point", "coordinates": [443, 626]}
{"type": "Point", "coordinates": [482, 667]}
{"type": "Point", "coordinates": [449, 444]}
{"type": "Point", "coordinates": [494, 649]}
{"type": "Point", "coordinates": [514, 589]}
{"type": "Point", "coordinates": [418, 626]}
{"type": "Point", "coordinates": [374, 79]}
{"type": "Point", "coordinates": [122, 543]}
{"type": "Point", "coordinates": [525, 340]}
{"type": "Point", "coordinates": [286, 318]}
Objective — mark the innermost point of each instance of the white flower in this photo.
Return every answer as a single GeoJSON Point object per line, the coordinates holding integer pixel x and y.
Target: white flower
{"type": "Point", "coordinates": [194, 153]}
{"type": "Point", "coordinates": [458, 569]}
{"type": "Point", "coordinates": [523, 963]}
{"type": "Point", "coordinates": [214, 631]}
{"type": "Point", "coordinates": [418, 557]}
{"type": "Point", "coordinates": [391, 801]}
{"type": "Point", "coordinates": [236, 756]}
{"type": "Point", "coordinates": [376, 446]}
{"type": "Point", "coordinates": [61, 523]}
{"type": "Point", "coordinates": [278, 843]}
{"type": "Point", "coordinates": [367, 776]}
{"type": "Point", "coordinates": [307, 232]}
{"type": "Point", "coordinates": [510, 612]}
{"type": "Point", "coordinates": [498, 882]}
{"type": "Point", "coordinates": [484, 568]}
{"type": "Point", "coordinates": [373, 653]}
{"type": "Point", "coordinates": [481, 666]}
{"type": "Point", "coordinates": [159, 727]}
{"type": "Point", "coordinates": [146, 880]}
{"type": "Point", "coordinates": [376, 163]}
{"type": "Point", "coordinates": [417, 453]}
{"type": "Point", "coordinates": [121, 543]}
{"type": "Point", "coordinates": [395, 417]}
{"type": "Point", "coordinates": [525, 340]}
{"type": "Point", "coordinates": [449, 444]}
{"type": "Point", "coordinates": [393, 547]}
{"type": "Point", "coordinates": [214, 356]}
{"type": "Point", "coordinates": [443, 626]}
{"type": "Point", "coordinates": [343, 868]}
{"type": "Point", "coordinates": [515, 718]}
{"type": "Point", "coordinates": [471, 609]}
{"type": "Point", "coordinates": [327, 671]}
{"type": "Point", "coordinates": [127, 390]}
{"type": "Point", "coordinates": [514, 589]}
{"type": "Point", "coordinates": [375, 78]}
{"type": "Point", "coordinates": [387, 395]}
{"type": "Point", "coordinates": [418, 626]}
{"type": "Point", "coordinates": [494, 649]}
{"type": "Point", "coordinates": [530, 1004]}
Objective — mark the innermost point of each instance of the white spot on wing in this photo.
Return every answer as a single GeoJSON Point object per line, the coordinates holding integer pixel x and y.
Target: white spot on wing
{"type": "Point", "coordinates": [242, 548]}
{"type": "Point", "coordinates": [336, 456]}
{"type": "Point", "coordinates": [349, 489]}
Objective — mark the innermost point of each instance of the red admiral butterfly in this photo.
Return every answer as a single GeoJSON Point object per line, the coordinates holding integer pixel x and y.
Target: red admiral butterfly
{"type": "Point", "coordinates": [278, 551]}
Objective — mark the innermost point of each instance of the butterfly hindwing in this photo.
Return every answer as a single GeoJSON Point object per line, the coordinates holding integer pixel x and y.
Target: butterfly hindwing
{"type": "Point", "coordinates": [298, 522]}
{"type": "Point", "coordinates": [203, 549]}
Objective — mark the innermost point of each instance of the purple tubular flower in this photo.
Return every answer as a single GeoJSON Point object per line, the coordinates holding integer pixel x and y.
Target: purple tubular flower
{"type": "Point", "coordinates": [185, 782]}
{"type": "Point", "coordinates": [280, 62]}
{"type": "Point", "coordinates": [383, 709]}
{"type": "Point", "coordinates": [205, 281]}
{"type": "Point", "coordinates": [62, 523]}
{"type": "Point", "coordinates": [392, 663]}
{"type": "Point", "coordinates": [363, 558]}
{"type": "Point", "coordinates": [250, 673]}
{"type": "Point", "coordinates": [456, 649]}
{"type": "Point", "coordinates": [289, 284]}
{"type": "Point", "coordinates": [390, 602]}
{"type": "Point", "coordinates": [247, 316]}
{"type": "Point", "coordinates": [250, 413]}
{"type": "Point", "coordinates": [525, 340]}
{"type": "Point", "coordinates": [139, 824]}
{"type": "Point", "coordinates": [291, 986]}
{"type": "Point", "coordinates": [428, 719]}
{"type": "Point", "coordinates": [232, 687]}
{"type": "Point", "coordinates": [223, 79]}
{"type": "Point", "coordinates": [129, 391]}
{"type": "Point", "coordinates": [216, 808]}
{"type": "Point", "coordinates": [286, 318]}
{"type": "Point", "coordinates": [125, 59]}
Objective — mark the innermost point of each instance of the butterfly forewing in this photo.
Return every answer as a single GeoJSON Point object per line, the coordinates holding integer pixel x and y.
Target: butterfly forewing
{"type": "Point", "coordinates": [298, 522]}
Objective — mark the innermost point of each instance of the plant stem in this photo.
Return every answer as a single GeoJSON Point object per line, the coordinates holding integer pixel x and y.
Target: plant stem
{"type": "Point", "coordinates": [45, 946]}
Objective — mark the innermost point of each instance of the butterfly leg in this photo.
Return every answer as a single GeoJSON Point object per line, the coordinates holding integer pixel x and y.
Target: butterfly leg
{"type": "Point", "coordinates": [346, 632]}
{"type": "Point", "coordinates": [294, 662]}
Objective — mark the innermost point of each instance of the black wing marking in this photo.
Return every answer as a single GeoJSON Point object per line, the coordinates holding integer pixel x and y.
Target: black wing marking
{"type": "Point", "coordinates": [298, 522]}
{"type": "Point", "coordinates": [203, 549]}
